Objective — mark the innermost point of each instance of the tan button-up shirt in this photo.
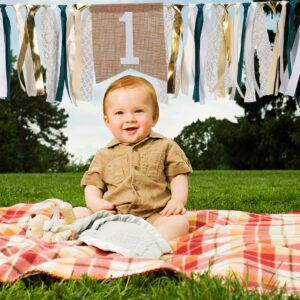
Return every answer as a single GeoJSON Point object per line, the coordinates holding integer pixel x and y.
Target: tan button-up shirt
{"type": "Point", "coordinates": [135, 177]}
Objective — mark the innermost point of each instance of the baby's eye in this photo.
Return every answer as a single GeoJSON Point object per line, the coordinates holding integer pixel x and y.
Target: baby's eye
{"type": "Point", "coordinates": [119, 113]}
{"type": "Point", "coordinates": [139, 110]}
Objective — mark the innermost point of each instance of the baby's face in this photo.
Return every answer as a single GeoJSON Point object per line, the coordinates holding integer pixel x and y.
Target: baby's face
{"type": "Point", "coordinates": [129, 114]}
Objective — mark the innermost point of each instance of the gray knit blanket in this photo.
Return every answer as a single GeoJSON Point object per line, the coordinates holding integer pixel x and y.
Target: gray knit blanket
{"type": "Point", "coordinates": [125, 234]}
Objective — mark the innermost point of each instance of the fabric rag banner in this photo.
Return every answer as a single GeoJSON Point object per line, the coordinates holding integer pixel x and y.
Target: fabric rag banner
{"type": "Point", "coordinates": [128, 36]}
{"type": "Point", "coordinates": [215, 54]}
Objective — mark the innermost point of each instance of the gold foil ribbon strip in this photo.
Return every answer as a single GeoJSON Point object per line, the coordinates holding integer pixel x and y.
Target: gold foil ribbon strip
{"type": "Point", "coordinates": [30, 38]}
{"type": "Point", "coordinates": [224, 50]}
{"type": "Point", "coordinates": [176, 35]}
{"type": "Point", "coordinates": [227, 32]}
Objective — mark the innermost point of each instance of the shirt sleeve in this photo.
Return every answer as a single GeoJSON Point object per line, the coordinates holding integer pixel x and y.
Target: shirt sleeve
{"type": "Point", "coordinates": [176, 161]}
{"type": "Point", "coordinates": [94, 175]}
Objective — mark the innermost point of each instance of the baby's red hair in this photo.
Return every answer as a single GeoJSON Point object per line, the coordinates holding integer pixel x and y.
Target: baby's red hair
{"type": "Point", "coordinates": [131, 81]}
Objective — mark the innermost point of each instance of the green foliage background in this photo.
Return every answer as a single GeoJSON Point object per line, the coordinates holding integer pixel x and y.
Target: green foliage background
{"type": "Point", "coordinates": [31, 133]}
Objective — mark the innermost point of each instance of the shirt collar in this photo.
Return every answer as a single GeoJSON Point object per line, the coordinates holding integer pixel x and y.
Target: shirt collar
{"type": "Point", "coordinates": [152, 135]}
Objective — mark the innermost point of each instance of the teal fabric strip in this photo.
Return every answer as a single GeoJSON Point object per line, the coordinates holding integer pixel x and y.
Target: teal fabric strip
{"type": "Point", "coordinates": [197, 37]}
{"type": "Point", "coordinates": [291, 35]}
{"type": "Point", "coordinates": [63, 75]}
{"type": "Point", "coordinates": [7, 28]}
{"type": "Point", "coordinates": [241, 59]}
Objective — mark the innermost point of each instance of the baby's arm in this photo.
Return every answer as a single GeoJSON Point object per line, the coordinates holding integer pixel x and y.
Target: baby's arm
{"type": "Point", "coordinates": [94, 201]}
{"type": "Point", "coordinates": [179, 195]}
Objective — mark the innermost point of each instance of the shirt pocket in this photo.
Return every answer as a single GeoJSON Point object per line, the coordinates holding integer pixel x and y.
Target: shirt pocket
{"type": "Point", "coordinates": [152, 164]}
{"type": "Point", "coordinates": [115, 170]}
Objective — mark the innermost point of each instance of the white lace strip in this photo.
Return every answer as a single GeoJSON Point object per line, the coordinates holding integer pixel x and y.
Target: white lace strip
{"type": "Point", "coordinates": [86, 90]}
{"type": "Point", "coordinates": [161, 85]}
{"type": "Point", "coordinates": [213, 46]}
{"type": "Point", "coordinates": [50, 44]}
{"type": "Point", "coordinates": [263, 49]}
{"type": "Point", "coordinates": [168, 22]}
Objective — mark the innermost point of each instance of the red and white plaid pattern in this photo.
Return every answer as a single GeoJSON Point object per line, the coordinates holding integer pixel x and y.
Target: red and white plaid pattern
{"type": "Point", "coordinates": [263, 249]}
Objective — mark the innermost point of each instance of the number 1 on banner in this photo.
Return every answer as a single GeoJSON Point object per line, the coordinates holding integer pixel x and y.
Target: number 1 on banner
{"type": "Point", "coordinates": [129, 59]}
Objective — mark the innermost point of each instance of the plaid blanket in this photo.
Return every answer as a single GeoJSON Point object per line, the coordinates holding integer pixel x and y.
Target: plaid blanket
{"type": "Point", "coordinates": [264, 249]}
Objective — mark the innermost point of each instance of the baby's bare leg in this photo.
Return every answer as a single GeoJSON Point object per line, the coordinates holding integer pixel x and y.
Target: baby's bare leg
{"type": "Point", "coordinates": [172, 227]}
{"type": "Point", "coordinates": [81, 212]}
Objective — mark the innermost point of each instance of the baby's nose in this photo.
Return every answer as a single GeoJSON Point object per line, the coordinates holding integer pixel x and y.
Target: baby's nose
{"type": "Point", "coordinates": [130, 117]}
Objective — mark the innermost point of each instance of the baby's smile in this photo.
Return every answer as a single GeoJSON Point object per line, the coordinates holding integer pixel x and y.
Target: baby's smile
{"type": "Point", "coordinates": [131, 129]}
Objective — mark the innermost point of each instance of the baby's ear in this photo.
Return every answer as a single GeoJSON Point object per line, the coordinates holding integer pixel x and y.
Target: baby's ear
{"type": "Point", "coordinates": [154, 119]}
{"type": "Point", "coordinates": [106, 120]}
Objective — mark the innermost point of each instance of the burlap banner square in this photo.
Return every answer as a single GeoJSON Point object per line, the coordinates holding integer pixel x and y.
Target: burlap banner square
{"type": "Point", "coordinates": [128, 36]}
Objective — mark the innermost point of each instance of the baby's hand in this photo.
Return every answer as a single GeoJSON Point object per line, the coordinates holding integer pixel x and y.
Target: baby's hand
{"type": "Point", "coordinates": [173, 207]}
{"type": "Point", "coordinates": [103, 204]}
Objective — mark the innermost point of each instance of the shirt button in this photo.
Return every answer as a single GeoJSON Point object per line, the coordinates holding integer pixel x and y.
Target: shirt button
{"type": "Point", "coordinates": [136, 167]}
{"type": "Point", "coordinates": [136, 187]}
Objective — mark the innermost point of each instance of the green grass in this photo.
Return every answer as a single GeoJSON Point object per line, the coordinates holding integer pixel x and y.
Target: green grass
{"type": "Point", "coordinates": [255, 191]}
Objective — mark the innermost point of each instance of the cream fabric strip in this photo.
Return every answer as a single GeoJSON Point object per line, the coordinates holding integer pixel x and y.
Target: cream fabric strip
{"type": "Point", "coordinates": [249, 59]}
{"type": "Point", "coordinates": [86, 88]}
{"type": "Point", "coordinates": [28, 69]}
{"type": "Point", "coordinates": [50, 42]}
{"type": "Point", "coordinates": [219, 88]}
{"type": "Point", "coordinates": [71, 51]}
{"type": "Point", "coordinates": [289, 85]}
{"type": "Point", "coordinates": [3, 78]}
{"type": "Point", "coordinates": [207, 19]}
{"type": "Point", "coordinates": [273, 80]}
{"type": "Point", "coordinates": [76, 55]}
{"type": "Point", "coordinates": [235, 51]}
{"type": "Point", "coordinates": [188, 57]}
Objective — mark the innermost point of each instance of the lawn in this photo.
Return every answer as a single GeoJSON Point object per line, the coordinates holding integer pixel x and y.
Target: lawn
{"type": "Point", "coordinates": [255, 191]}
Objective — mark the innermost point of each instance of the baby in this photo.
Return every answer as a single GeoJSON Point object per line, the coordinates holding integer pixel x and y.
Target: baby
{"type": "Point", "coordinates": [139, 172]}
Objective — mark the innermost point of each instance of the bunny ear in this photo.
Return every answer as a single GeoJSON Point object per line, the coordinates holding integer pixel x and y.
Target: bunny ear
{"type": "Point", "coordinates": [55, 216]}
